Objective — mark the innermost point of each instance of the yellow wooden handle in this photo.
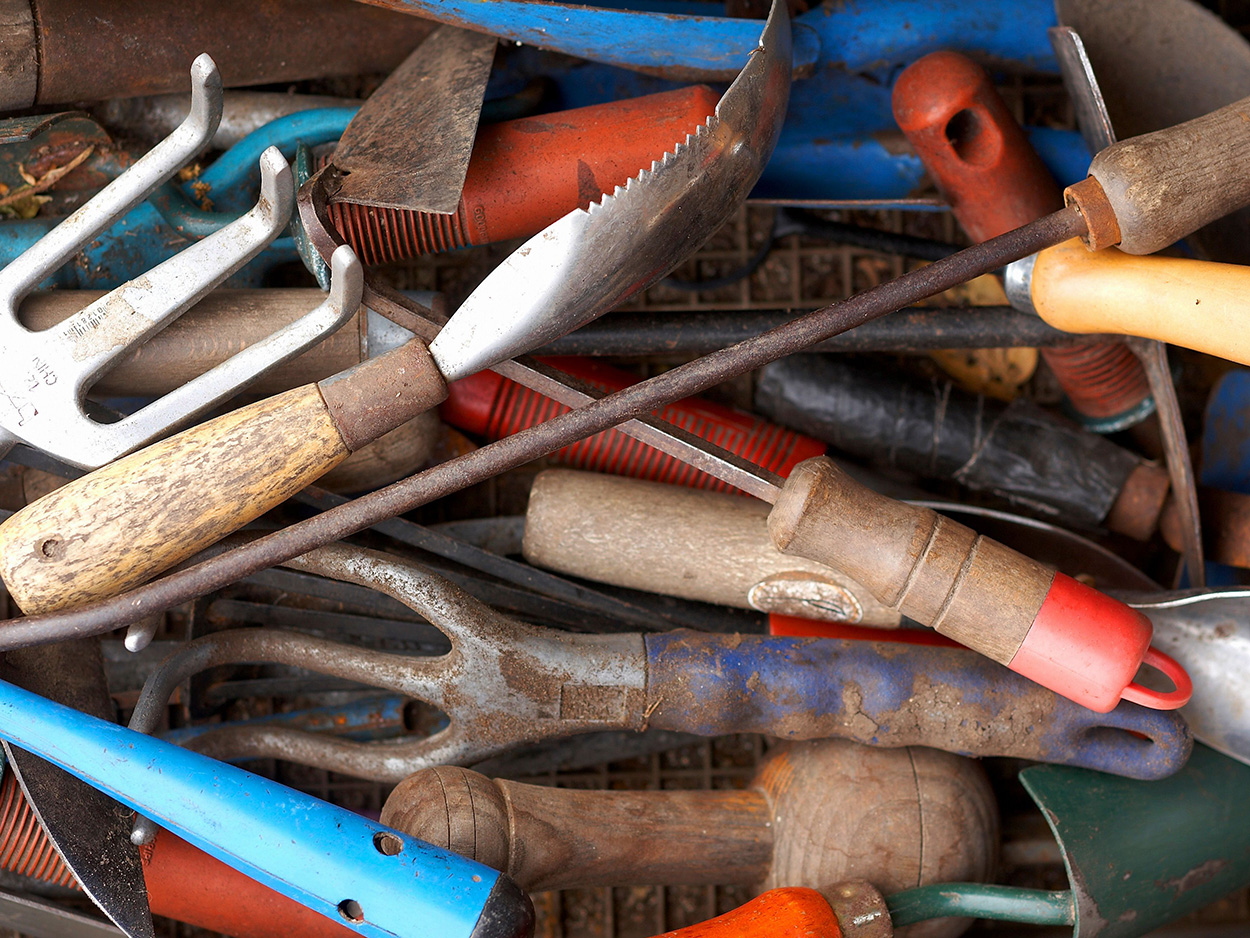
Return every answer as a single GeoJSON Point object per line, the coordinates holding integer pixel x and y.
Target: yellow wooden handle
{"type": "Point", "coordinates": [116, 527]}
{"type": "Point", "coordinates": [124, 523]}
{"type": "Point", "coordinates": [1195, 304]}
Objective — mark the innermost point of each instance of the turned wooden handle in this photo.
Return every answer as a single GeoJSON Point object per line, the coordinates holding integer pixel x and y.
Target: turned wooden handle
{"type": "Point", "coordinates": [683, 542]}
{"type": "Point", "coordinates": [549, 838]}
{"type": "Point", "coordinates": [1196, 304]}
{"type": "Point", "coordinates": [122, 524]}
{"type": "Point", "coordinates": [935, 570]}
{"type": "Point", "coordinates": [1165, 185]}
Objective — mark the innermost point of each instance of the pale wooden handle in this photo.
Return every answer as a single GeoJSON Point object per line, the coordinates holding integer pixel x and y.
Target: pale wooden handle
{"type": "Point", "coordinates": [549, 838]}
{"type": "Point", "coordinates": [682, 542]}
{"type": "Point", "coordinates": [935, 570]}
{"type": "Point", "coordinates": [144, 513]}
{"type": "Point", "coordinates": [1195, 304]}
{"type": "Point", "coordinates": [121, 524]}
{"type": "Point", "coordinates": [1167, 184]}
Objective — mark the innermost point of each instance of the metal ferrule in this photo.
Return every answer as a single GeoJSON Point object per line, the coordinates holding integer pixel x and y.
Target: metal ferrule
{"type": "Point", "coordinates": [1018, 284]}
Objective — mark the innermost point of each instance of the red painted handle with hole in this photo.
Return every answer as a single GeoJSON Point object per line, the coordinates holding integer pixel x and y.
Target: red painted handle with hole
{"type": "Point", "coordinates": [979, 157]}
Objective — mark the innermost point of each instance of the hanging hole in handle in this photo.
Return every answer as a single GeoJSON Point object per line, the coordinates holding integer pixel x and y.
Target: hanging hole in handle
{"type": "Point", "coordinates": [1162, 700]}
{"type": "Point", "coordinates": [351, 911]}
{"type": "Point", "coordinates": [972, 138]}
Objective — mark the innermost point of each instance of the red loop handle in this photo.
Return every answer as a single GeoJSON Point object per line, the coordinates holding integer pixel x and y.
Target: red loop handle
{"type": "Point", "coordinates": [1156, 699]}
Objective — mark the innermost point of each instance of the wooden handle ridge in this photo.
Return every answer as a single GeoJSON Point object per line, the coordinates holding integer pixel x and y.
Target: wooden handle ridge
{"type": "Point", "coordinates": [937, 571]}
{"type": "Point", "coordinates": [1196, 304]}
{"type": "Point", "coordinates": [124, 523]}
{"type": "Point", "coordinates": [548, 838]}
{"type": "Point", "coordinates": [1165, 185]}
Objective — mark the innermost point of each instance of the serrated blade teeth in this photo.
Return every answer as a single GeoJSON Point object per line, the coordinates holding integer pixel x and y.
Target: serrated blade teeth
{"type": "Point", "coordinates": [656, 165]}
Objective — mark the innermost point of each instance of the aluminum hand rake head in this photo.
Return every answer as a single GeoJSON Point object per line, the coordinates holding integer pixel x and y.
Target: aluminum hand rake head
{"type": "Point", "coordinates": [48, 373]}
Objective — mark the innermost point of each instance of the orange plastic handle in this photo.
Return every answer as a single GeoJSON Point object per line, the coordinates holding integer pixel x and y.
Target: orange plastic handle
{"type": "Point", "coordinates": [791, 912]}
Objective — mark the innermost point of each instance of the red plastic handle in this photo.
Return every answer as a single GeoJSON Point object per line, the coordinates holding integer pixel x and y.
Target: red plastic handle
{"type": "Point", "coordinates": [1162, 700]}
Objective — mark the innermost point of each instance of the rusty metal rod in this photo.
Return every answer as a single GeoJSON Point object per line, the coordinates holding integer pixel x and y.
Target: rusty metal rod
{"type": "Point", "coordinates": [454, 475]}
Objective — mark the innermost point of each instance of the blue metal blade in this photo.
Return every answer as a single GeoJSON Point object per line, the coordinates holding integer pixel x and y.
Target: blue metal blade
{"type": "Point", "coordinates": [323, 856]}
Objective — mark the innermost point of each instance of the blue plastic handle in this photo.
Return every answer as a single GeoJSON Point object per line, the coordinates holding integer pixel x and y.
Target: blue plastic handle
{"type": "Point", "coordinates": [374, 880]}
{"type": "Point", "coordinates": [893, 694]}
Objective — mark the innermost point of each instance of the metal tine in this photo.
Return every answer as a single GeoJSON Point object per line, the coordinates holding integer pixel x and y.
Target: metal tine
{"type": "Point", "coordinates": [224, 380]}
{"type": "Point", "coordinates": [472, 627]}
{"type": "Point", "coordinates": [140, 307]}
{"type": "Point", "coordinates": [155, 167]}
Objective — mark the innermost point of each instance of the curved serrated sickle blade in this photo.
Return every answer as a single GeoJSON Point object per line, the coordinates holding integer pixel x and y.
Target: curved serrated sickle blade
{"type": "Point", "coordinates": [591, 261]}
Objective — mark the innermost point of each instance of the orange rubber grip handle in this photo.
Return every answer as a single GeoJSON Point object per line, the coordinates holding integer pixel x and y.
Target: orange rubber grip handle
{"type": "Point", "coordinates": [972, 146]}
{"type": "Point", "coordinates": [791, 912]}
{"type": "Point", "coordinates": [525, 174]}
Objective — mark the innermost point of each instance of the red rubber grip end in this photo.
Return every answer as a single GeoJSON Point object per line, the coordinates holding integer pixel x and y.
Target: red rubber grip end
{"type": "Point", "coordinates": [487, 405]}
{"type": "Point", "coordinates": [1088, 647]}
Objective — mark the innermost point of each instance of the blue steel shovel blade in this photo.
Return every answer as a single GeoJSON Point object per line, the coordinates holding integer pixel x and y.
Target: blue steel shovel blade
{"type": "Point", "coordinates": [374, 880]}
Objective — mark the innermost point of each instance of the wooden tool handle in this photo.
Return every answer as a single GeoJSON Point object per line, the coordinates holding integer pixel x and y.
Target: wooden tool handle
{"type": "Point", "coordinates": [1165, 185]}
{"type": "Point", "coordinates": [1047, 626]}
{"type": "Point", "coordinates": [937, 571]}
{"type": "Point", "coordinates": [548, 838]}
{"type": "Point", "coordinates": [682, 542]}
{"type": "Point", "coordinates": [124, 523]}
{"type": "Point", "coordinates": [1196, 304]}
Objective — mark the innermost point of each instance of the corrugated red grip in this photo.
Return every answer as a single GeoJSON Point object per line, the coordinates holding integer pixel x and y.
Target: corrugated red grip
{"type": "Point", "coordinates": [488, 405]}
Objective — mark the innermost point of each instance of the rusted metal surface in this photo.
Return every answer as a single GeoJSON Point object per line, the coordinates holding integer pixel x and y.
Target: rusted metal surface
{"type": "Point", "coordinates": [1102, 230]}
{"type": "Point", "coordinates": [523, 447]}
{"type": "Point", "coordinates": [408, 146]}
{"type": "Point", "coordinates": [505, 684]}
{"type": "Point", "coordinates": [140, 49]}
{"type": "Point", "coordinates": [383, 393]}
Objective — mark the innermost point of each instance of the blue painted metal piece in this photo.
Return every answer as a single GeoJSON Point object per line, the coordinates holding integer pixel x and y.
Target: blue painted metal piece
{"type": "Point", "coordinates": [323, 856]}
{"type": "Point", "coordinates": [897, 694]}
{"type": "Point", "coordinates": [851, 35]}
{"type": "Point", "coordinates": [366, 719]}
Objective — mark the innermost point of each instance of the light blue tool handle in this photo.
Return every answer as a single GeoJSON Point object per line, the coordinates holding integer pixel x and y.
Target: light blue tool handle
{"type": "Point", "coordinates": [327, 858]}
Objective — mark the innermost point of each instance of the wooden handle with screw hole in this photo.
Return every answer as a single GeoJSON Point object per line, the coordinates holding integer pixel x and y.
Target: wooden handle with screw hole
{"type": "Point", "coordinates": [122, 524]}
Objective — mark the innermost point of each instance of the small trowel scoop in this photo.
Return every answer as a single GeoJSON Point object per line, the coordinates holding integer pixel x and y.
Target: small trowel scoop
{"type": "Point", "coordinates": [423, 116]}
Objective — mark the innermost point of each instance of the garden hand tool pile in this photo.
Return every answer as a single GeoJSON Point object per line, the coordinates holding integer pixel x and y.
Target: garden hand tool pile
{"type": "Point", "coordinates": [274, 513]}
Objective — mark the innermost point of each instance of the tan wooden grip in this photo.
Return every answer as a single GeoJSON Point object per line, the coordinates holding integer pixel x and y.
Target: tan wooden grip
{"type": "Point", "coordinates": [935, 570]}
{"type": "Point", "coordinates": [1196, 304]}
{"type": "Point", "coordinates": [683, 542]}
{"type": "Point", "coordinates": [551, 838]}
{"type": "Point", "coordinates": [124, 523]}
{"type": "Point", "coordinates": [1164, 185]}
